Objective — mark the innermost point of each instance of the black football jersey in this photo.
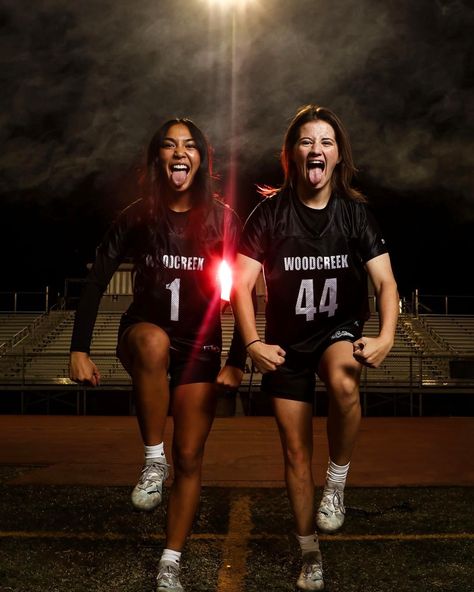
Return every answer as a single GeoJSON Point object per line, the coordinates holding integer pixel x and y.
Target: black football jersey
{"type": "Point", "coordinates": [313, 264]}
{"type": "Point", "coordinates": [186, 303]}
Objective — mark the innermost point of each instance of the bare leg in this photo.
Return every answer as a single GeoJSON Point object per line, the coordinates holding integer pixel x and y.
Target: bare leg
{"type": "Point", "coordinates": [144, 353]}
{"type": "Point", "coordinates": [341, 373]}
{"type": "Point", "coordinates": [193, 408]}
{"type": "Point", "coordinates": [294, 420]}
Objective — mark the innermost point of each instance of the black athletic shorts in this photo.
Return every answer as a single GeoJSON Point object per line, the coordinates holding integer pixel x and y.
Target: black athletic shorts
{"type": "Point", "coordinates": [295, 379]}
{"type": "Point", "coordinates": [188, 364]}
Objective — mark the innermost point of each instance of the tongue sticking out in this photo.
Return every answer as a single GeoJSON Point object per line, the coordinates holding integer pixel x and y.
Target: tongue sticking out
{"type": "Point", "coordinates": [179, 177]}
{"type": "Point", "coordinates": [315, 175]}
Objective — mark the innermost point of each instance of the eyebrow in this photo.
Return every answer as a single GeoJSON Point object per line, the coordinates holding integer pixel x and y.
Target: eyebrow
{"type": "Point", "coordinates": [169, 138]}
{"type": "Point", "coordinates": [310, 138]}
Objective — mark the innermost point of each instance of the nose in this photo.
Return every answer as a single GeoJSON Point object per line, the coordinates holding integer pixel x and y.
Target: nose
{"type": "Point", "coordinates": [179, 151]}
{"type": "Point", "coordinates": [316, 148]}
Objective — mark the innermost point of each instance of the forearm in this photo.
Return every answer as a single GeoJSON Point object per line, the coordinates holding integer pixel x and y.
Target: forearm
{"type": "Point", "coordinates": [371, 351]}
{"type": "Point", "coordinates": [388, 307]}
{"type": "Point", "coordinates": [85, 317]}
{"type": "Point", "coordinates": [244, 312]}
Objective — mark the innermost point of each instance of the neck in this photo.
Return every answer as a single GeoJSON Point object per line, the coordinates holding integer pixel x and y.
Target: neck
{"type": "Point", "coordinates": [180, 202]}
{"type": "Point", "coordinates": [314, 198]}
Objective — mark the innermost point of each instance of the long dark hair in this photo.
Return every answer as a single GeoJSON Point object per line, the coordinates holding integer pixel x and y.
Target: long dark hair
{"type": "Point", "coordinates": [154, 204]}
{"type": "Point", "coordinates": [202, 185]}
{"type": "Point", "coordinates": [344, 171]}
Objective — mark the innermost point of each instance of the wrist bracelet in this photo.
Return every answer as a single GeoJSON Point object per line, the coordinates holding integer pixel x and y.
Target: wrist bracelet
{"type": "Point", "coordinates": [254, 341]}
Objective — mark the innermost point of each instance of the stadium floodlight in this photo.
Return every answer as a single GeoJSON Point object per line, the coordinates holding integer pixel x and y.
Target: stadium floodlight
{"type": "Point", "coordinates": [228, 3]}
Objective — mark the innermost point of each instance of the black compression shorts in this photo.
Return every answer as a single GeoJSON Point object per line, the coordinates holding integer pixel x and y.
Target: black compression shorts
{"type": "Point", "coordinates": [295, 379]}
{"type": "Point", "coordinates": [188, 364]}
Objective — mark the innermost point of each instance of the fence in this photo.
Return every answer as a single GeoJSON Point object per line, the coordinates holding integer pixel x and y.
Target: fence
{"type": "Point", "coordinates": [411, 376]}
{"type": "Point", "coordinates": [39, 301]}
{"type": "Point", "coordinates": [444, 304]}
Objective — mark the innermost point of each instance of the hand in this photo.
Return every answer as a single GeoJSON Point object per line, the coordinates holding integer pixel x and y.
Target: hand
{"type": "Point", "coordinates": [83, 369]}
{"type": "Point", "coordinates": [229, 378]}
{"type": "Point", "coordinates": [371, 351]}
{"type": "Point", "coordinates": [266, 357]}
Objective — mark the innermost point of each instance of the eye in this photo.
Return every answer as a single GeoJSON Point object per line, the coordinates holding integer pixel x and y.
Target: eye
{"type": "Point", "coordinates": [191, 146]}
{"type": "Point", "coordinates": [168, 144]}
{"type": "Point", "coordinates": [306, 142]}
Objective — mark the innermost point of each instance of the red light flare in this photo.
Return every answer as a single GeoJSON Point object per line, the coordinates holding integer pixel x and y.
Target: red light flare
{"type": "Point", "coordinates": [223, 279]}
{"type": "Point", "coordinates": [224, 276]}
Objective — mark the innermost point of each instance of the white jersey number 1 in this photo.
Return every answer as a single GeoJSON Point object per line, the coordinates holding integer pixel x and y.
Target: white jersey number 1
{"type": "Point", "coordinates": [306, 295]}
{"type": "Point", "coordinates": [174, 288]}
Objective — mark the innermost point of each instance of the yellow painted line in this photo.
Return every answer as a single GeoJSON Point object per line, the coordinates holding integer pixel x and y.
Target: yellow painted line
{"type": "Point", "coordinates": [398, 537]}
{"type": "Point", "coordinates": [234, 549]}
{"type": "Point", "coordinates": [239, 533]}
{"type": "Point", "coordinates": [395, 537]}
{"type": "Point", "coordinates": [59, 534]}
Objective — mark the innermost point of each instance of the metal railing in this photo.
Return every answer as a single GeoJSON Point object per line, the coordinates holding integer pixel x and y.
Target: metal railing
{"type": "Point", "coordinates": [23, 301]}
{"type": "Point", "coordinates": [445, 304]}
{"type": "Point", "coordinates": [25, 332]}
{"type": "Point", "coordinates": [401, 374]}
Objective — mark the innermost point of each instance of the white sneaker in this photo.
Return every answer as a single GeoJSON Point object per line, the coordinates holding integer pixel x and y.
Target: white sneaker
{"type": "Point", "coordinates": [167, 579]}
{"type": "Point", "coordinates": [147, 493]}
{"type": "Point", "coordinates": [331, 513]}
{"type": "Point", "coordinates": [311, 576]}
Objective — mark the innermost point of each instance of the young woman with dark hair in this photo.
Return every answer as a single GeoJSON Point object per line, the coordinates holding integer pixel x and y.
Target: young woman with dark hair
{"type": "Point", "coordinates": [316, 241]}
{"type": "Point", "coordinates": [170, 338]}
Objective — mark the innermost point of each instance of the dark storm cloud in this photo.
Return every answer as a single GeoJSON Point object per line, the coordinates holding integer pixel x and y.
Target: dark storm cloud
{"type": "Point", "coordinates": [85, 84]}
{"type": "Point", "coordinates": [397, 73]}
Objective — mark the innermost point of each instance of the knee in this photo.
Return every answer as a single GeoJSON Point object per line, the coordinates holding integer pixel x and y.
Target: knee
{"type": "Point", "coordinates": [345, 393]}
{"type": "Point", "coordinates": [187, 462]}
{"type": "Point", "coordinates": [150, 348]}
{"type": "Point", "coordinates": [298, 456]}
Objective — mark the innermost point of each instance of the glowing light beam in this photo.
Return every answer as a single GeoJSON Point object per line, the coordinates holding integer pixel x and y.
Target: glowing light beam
{"type": "Point", "coordinates": [229, 3]}
{"type": "Point", "coordinates": [224, 275]}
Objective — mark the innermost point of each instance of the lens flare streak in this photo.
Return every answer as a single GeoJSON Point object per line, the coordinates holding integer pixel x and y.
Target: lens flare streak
{"type": "Point", "coordinates": [224, 276]}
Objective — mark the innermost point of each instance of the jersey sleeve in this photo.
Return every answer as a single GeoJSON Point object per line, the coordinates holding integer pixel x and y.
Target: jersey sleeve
{"type": "Point", "coordinates": [232, 233]}
{"type": "Point", "coordinates": [254, 240]}
{"type": "Point", "coordinates": [237, 355]}
{"type": "Point", "coordinates": [109, 254]}
{"type": "Point", "coordinates": [371, 242]}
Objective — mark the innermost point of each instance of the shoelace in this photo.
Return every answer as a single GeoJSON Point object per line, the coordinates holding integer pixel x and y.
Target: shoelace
{"type": "Point", "coordinates": [313, 569]}
{"type": "Point", "coordinates": [150, 473]}
{"type": "Point", "coordinates": [333, 497]}
{"type": "Point", "coordinates": [168, 575]}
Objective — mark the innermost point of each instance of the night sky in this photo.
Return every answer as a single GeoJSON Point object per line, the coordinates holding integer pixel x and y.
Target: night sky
{"type": "Point", "coordinates": [85, 85]}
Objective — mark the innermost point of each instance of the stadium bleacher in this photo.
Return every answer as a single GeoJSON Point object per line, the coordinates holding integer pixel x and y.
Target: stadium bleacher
{"type": "Point", "coordinates": [454, 333]}
{"type": "Point", "coordinates": [13, 327]}
{"type": "Point", "coordinates": [421, 358]}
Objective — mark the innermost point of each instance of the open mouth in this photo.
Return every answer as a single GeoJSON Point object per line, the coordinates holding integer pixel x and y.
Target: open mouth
{"type": "Point", "coordinates": [316, 164]}
{"type": "Point", "coordinates": [179, 172]}
{"type": "Point", "coordinates": [315, 168]}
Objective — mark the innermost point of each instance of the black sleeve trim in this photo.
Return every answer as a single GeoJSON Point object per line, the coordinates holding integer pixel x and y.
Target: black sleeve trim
{"type": "Point", "coordinates": [237, 352]}
{"type": "Point", "coordinates": [110, 254]}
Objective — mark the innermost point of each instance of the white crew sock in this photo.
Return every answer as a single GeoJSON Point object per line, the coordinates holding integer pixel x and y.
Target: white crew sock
{"type": "Point", "coordinates": [152, 453]}
{"type": "Point", "coordinates": [309, 543]}
{"type": "Point", "coordinates": [170, 555]}
{"type": "Point", "coordinates": [337, 473]}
